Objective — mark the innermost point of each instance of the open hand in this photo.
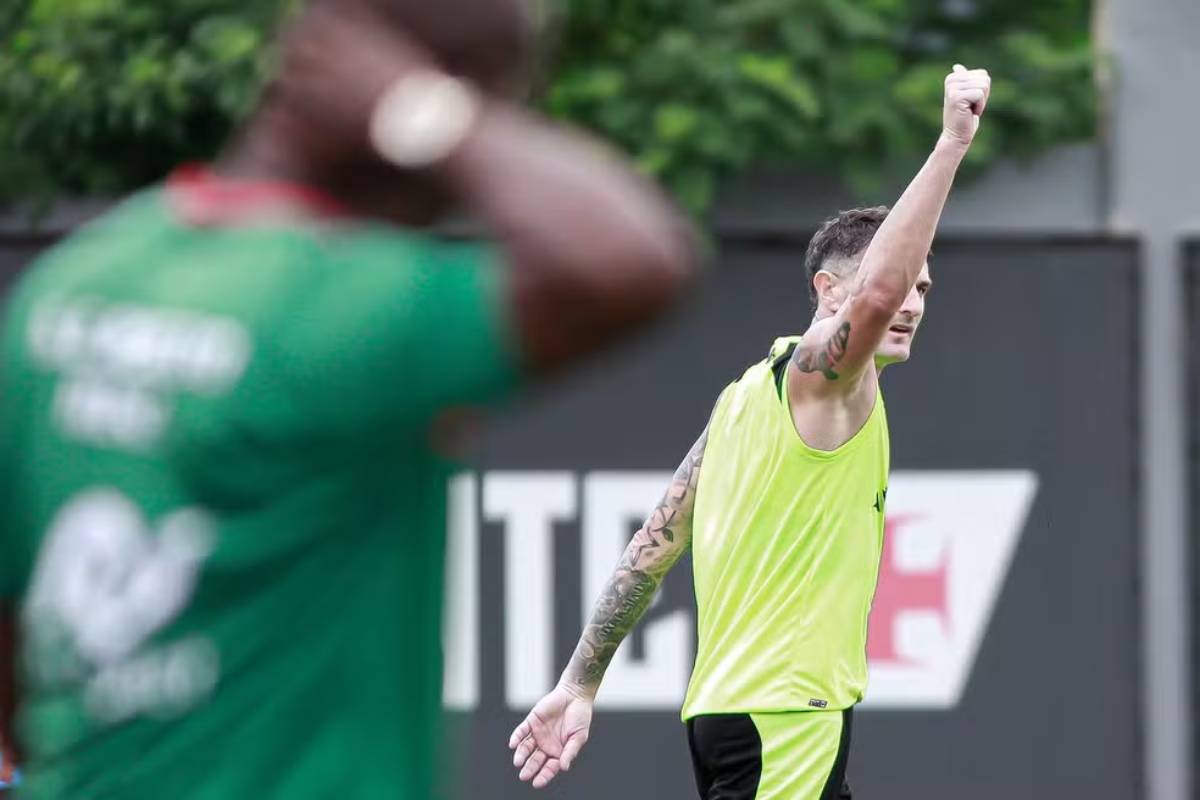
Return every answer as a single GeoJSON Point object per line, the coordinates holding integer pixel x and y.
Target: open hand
{"type": "Point", "coordinates": [551, 736]}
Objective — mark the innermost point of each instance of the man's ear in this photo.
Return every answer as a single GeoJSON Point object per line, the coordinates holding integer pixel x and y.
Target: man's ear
{"type": "Point", "coordinates": [830, 293]}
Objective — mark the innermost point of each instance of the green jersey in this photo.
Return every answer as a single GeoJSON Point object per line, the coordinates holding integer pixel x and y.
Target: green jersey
{"type": "Point", "coordinates": [786, 543]}
{"type": "Point", "coordinates": [223, 516]}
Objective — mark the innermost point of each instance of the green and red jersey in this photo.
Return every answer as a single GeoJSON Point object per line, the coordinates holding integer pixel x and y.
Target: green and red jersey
{"type": "Point", "coordinates": [222, 514]}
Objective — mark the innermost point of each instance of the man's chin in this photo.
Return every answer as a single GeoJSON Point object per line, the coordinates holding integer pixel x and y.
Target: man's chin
{"type": "Point", "coordinates": [891, 355]}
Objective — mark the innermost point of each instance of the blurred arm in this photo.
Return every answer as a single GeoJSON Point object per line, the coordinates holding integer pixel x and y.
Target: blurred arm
{"type": "Point", "coordinates": [594, 249]}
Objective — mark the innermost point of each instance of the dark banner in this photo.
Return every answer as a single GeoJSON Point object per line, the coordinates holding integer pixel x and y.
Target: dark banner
{"type": "Point", "coordinates": [1003, 648]}
{"type": "Point", "coordinates": [1004, 639]}
{"type": "Point", "coordinates": [1191, 273]}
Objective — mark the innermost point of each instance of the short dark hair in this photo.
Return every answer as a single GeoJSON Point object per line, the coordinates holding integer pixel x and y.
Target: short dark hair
{"type": "Point", "coordinates": [844, 236]}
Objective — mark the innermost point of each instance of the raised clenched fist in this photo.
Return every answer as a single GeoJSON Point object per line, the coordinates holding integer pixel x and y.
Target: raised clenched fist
{"type": "Point", "coordinates": [967, 93]}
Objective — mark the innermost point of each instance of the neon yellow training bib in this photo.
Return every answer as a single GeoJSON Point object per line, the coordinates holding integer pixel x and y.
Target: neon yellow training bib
{"type": "Point", "coordinates": [786, 547]}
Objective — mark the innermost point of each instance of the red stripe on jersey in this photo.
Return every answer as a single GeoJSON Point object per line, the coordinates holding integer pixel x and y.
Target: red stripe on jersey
{"type": "Point", "coordinates": [202, 197]}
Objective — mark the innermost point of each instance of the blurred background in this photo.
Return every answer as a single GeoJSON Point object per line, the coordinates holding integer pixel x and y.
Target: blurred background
{"type": "Point", "coordinates": [1032, 635]}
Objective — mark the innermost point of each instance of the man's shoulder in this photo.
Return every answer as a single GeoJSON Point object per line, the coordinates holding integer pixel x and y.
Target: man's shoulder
{"type": "Point", "coordinates": [783, 346]}
{"type": "Point", "coordinates": [817, 333]}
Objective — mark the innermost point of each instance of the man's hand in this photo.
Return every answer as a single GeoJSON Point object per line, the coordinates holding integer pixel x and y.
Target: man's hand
{"type": "Point", "coordinates": [551, 736]}
{"type": "Point", "coordinates": [966, 97]}
{"type": "Point", "coordinates": [336, 61]}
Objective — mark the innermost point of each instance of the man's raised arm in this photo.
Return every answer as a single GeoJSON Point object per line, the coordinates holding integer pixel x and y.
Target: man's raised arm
{"type": "Point", "coordinates": [553, 733]}
{"type": "Point", "coordinates": [593, 250]}
{"type": "Point", "coordinates": [846, 344]}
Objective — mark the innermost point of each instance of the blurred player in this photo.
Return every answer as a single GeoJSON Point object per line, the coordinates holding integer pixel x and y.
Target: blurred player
{"type": "Point", "coordinates": [222, 510]}
{"type": "Point", "coordinates": [785, 518]}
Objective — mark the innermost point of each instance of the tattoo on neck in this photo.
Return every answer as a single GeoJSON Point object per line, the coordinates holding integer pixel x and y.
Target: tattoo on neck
{"type": "Point", "coordinates": [827, 357]}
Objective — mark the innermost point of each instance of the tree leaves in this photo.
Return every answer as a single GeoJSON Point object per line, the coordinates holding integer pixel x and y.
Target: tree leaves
{"type": "Point", "coordinates": [105, 95]}
{"type": "Point", "coordinates": [715, 87]}
{"type": "Point", "coordinates": [101, 96]}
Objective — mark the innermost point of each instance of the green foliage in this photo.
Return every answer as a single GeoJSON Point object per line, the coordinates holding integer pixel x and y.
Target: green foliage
{"type": "Point", "coordinates": [99, 96]}
{"type": "Point", "coordinates": [700, 89]}
{"type": "Point", "coordinates": [103, 95]}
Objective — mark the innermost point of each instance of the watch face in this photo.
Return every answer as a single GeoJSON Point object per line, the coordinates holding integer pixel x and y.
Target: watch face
{"type": "Point", "coordinates": [421, 118]}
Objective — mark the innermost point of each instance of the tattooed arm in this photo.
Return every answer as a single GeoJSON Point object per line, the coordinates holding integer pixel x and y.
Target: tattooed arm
{"type": "Point", "coordinates": [553, 733]}
{"type": "Point", "coordinates": [841, 347]}
{"type": "Point", "coordinates": [654, 549]}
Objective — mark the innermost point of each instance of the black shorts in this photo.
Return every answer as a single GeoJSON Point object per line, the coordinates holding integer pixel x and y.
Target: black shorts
{"type": "Point", "coordinates": [798, 755]}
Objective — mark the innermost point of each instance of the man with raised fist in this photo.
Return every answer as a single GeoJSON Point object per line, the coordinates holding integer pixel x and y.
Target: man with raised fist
{"type": "Point", "coordinates": [781, 501]}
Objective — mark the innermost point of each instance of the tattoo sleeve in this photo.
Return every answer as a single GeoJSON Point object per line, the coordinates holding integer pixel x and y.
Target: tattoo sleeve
{"type": "Point", "coordinates": [651, 553]}
{"type": "Point", "coordinates": [825, 358]}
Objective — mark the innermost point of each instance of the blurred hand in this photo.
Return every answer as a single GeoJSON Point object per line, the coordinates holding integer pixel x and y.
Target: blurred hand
{"type": "Point", "coordinates": [335, 63]}
{"type": "Point", "coordinates": [966, 97]}
{"type": "Point", "coordinates": [551, 736]}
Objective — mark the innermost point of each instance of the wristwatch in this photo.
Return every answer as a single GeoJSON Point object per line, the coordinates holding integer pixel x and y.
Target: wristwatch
{"type": "Point", "coordinates": [421, 118]}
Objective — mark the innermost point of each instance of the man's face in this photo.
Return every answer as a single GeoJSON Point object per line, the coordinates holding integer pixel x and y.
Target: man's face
{"type": "Point", "coordinates": [897, 342]}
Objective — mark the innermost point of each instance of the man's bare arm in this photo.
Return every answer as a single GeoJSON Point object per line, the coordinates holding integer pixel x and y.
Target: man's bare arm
{"type": "Point", "coordinates": [593, 249]}
{"type": "Point", "coordinates": [654, 549]}
{"type": "Point", "coordinates": [555, 730]}
{"type": "Point", "coordinates": [846, 346]}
